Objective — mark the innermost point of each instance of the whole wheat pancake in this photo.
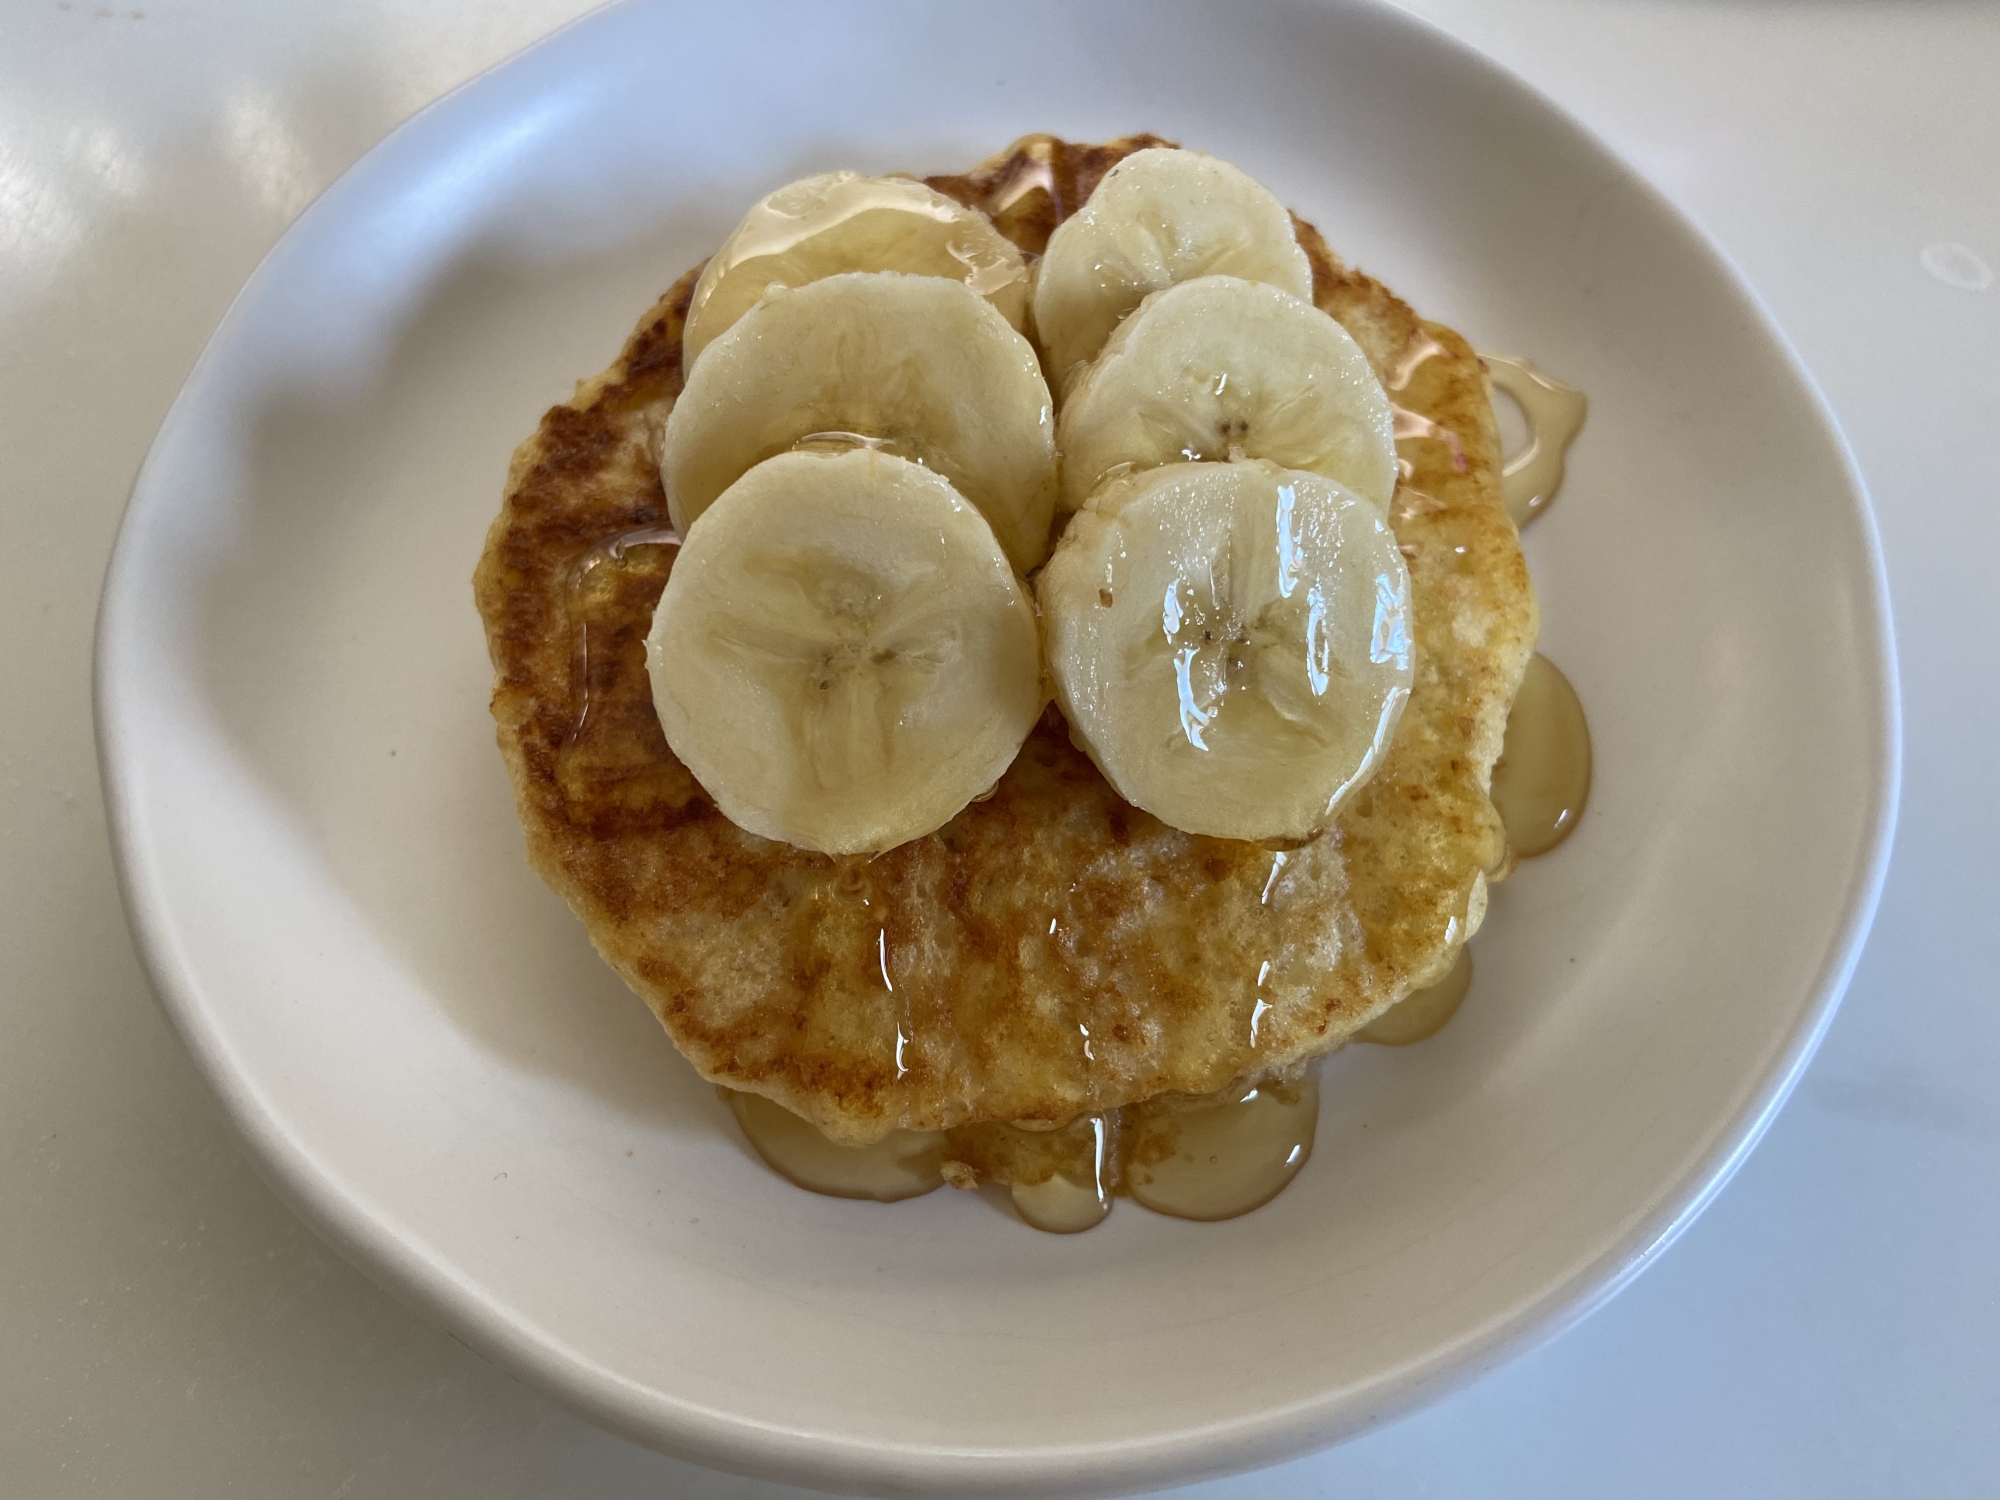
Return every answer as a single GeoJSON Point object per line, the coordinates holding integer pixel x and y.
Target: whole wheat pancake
{"type": "Point", "coordinates": [1052, 950]}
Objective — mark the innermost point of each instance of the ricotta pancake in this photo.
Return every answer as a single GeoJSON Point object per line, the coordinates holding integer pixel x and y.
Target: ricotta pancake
{"type": "Point", "coordinates": [1051, 951]}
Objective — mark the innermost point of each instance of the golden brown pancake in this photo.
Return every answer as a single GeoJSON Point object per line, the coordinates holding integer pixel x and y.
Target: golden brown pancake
{"type": "Point", "coordinates": [1052, 950]}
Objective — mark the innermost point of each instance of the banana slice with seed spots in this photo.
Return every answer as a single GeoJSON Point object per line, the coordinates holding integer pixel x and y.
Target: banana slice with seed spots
{"type": "Point", "coordinates": [1160, 216]}
{"type": "Point", "coordinates": [1217, 367]}
{"type": "Point", "coordinates": [1231, 643]}
{"type": "Point", "coordinates": [921, 363]}
{"type": "Point", "coordinates": [843, 656]}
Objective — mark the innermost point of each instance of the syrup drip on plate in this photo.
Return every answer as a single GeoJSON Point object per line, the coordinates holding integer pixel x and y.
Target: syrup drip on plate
{"type": "Point", "coordinates": [904, 1164]}
{"type": "Point", "coordinates": [1063, 1204]}
{"type": "Point", "coordinates": [1555, 413]}
{"type": "Point", "coordinates": [1422, 1013]}
{"type": "Point", "coordinates": [1542, 779]}
{"type": "Point", "coordinates": [1229, 1153]}
{"type": "Point", "coordinates": [1207, 1158]}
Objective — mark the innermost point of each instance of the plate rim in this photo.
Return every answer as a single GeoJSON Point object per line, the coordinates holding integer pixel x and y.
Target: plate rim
{"type": "Point", "coordinates": [747, 1446]}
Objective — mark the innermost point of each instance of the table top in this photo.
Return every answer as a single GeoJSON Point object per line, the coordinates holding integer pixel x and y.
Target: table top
{"type": "Point", "coordinates": [1830, 1326]}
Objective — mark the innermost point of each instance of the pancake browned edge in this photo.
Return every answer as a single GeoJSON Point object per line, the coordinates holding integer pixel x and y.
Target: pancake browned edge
{"type": "Point", "coordinates": [1051, 951]}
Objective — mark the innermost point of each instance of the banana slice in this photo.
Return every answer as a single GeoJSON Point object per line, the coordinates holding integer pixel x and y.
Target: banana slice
{"type": "Point", "coordinates": [842, 221]}
{"type": "Point", "coordinates": [1159, 217]}
{"type": "Point", "coordinates": [921, 363]}
{"type": "Point", "coordinates": [1231, 643]}
{"type": "Point", "coordinates": [843, 656]}
{"type": "Point", "coordinates": [1219, 366]}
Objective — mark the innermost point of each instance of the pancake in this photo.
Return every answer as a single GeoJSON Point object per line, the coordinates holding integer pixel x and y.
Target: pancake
{"type": "Point", "coordinates": [1052, 950]}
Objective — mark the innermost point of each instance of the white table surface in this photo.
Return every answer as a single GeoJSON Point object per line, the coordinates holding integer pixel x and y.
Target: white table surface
{"type": "Point", "coordinates": [1831, 1327]}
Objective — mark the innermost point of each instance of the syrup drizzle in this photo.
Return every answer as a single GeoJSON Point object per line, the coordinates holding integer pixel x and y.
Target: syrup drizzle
{"type": "Point", "coordinates": [766, 245]}
{"type": "Point", "coordinates": [1032, 168]}
{"type": "Point", "coordinates": [1421, 348]}
{"type": "Point", "coordinates": [1008, 202]}
{"type": "Point", "coordinates": [1410, 424]}
{"type": "Point", "coordinates": [1540, 786]}
{"type": "Point", "coordinates": [1555, 414]}
{"type": "Point", "coordinates": [610, 550]}
{"type": "Point", "coordinates": [835, 441]}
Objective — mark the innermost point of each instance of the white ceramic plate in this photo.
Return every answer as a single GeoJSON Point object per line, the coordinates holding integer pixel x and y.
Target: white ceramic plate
{"type": "Point", "coordinates": [325, 873]}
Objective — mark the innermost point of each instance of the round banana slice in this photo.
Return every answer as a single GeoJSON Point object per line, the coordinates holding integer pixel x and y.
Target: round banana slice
{"type": "Point", "coordinates": [842, 221]}
{"type": "Point", "coordinates": [1159, 217]}
{"type": "Point", "coordinates": [1220, 367]}
{"type": "Point", "coordinates": [1231, 643]}
{"type": "Point", "coordinates": [843, 656]}
{"type": "Point", "coordinates": [922, 364]}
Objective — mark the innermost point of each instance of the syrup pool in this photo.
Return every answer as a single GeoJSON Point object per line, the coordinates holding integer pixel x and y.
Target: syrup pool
{"type": "Point", "coordinates": [904, 1164]}
{"type": "Point", "coordinates": [1422, 1013]}
{"type": "Point", "coordinates": [1230, 1153]}
{"type": "Point", "coordinates": [1067, 1204]}
{"type": "Point", "coordinates": [1542, 779]}
{"type": "Point", "coordinates": [1555, 412]}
